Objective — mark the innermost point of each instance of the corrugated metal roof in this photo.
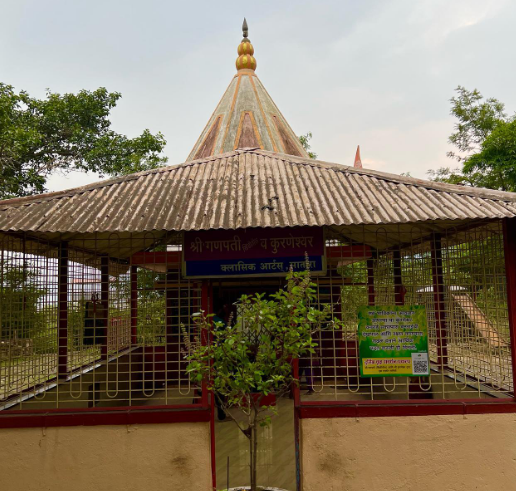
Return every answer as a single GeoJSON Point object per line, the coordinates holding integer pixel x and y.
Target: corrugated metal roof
{"type": "Point", "coordinates": [250, 188]}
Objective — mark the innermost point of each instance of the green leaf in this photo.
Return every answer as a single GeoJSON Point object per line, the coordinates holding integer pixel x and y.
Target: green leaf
{"type": "Point", "coordinates": [62, 133]}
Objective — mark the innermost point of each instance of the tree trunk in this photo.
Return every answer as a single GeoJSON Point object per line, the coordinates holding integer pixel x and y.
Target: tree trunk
{"type": "Point", "coordinates": [253, 447]}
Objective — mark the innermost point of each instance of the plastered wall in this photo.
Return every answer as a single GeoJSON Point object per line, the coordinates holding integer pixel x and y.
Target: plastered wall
{"type": "Point", "coordinates": [171, 457]}
{"type": "Point", "coordinates": [423, 453]}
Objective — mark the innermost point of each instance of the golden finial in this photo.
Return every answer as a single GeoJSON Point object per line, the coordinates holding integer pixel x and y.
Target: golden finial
{"type": "Point", "coordinates": [245, 29]}
{"type": "Point", "coordinates": [245, 60]}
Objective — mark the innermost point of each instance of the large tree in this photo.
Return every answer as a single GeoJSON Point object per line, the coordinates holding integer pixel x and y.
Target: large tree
{"type": "Point", "coordinates": [486, 138]}
{"type": "Point", "coordinates": [495, 165]}
{"type": "Point", "coordinates": [64, 133]}
{"type": "Point", "coordinates": [305, 143]}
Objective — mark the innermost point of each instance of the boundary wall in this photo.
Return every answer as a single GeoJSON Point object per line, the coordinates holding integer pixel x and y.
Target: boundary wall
{"type": "Point", "coordinates": [161, 457]}
{"type": "Point", "coordinates": [431, 453]}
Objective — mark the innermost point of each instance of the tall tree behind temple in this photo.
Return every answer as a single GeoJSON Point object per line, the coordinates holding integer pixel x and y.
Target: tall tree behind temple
{"type": "Point", "coordinates": [486, 137]}
{"type": "Point", "coordinates": [63, 133]}
{"type": "Point", "coordinates": [19, 297]}
{"type": "Point", "coordinates": [305, 143]}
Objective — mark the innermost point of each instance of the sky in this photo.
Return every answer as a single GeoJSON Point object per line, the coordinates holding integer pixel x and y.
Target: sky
{"type": "Point", "coordinates": [373, 73]}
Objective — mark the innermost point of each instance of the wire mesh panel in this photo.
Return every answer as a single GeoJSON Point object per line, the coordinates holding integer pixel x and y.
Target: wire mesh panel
{"type": "Point", "coordinates": [101, 320]}
{"type": "Point", "coordinates": [476, 308]}
{"type": "Point", "coordinates": [458, 275]}
{"type": "Point", "coordinates": [95, 322]}
{"type": "Point", "coordinates": [28, 316]}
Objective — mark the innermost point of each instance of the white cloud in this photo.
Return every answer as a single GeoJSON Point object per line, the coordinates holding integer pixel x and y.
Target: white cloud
{"type": "Point", "coordinates": [376, 73]}
{"type": "Point", "coordinates": [58, 181]}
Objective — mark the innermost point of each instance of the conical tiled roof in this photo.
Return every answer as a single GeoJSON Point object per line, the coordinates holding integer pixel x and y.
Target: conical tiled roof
{"type": "Point", "coordinates": [246, 116]}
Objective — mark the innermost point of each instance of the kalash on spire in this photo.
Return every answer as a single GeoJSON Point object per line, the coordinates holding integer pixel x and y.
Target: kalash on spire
{"type": "Point", "coordinates": [246, 116]}
{"type": "Point", "coordinates": [245, 60]}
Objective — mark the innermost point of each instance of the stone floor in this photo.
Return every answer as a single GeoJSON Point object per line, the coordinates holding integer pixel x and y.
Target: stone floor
{"type": "Point", "coordinates": [276, 452]}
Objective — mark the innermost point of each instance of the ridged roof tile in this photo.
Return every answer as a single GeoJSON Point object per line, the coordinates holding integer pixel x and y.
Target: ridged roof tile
{"type": "Point", "coordinates": [250, 188]}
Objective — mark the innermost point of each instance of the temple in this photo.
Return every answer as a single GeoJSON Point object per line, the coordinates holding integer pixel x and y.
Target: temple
{"type": "Point", "coordinates": [358, 161]}
{"type": "Point", "coordinates": [100, 287]}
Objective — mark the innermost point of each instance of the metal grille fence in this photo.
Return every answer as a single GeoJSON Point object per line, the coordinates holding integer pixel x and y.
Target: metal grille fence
{"type": "Point", "coordinates": [109, 336]}
{"type": "Point", "coordinates": [458, 275]}
{"type": "Point", "coordinates": [96, 320]}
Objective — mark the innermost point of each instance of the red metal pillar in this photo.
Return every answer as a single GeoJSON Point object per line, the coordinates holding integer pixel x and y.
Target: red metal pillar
{"type": "Point", "coordinates": [370, 282]}
{"type": "Point", "coordinates": [104, 302]}
{"type": "Point", "coordinates": [297, 423]}
{"type": "Point", "coordinates": [62, 294]}
{"type": "Point", "coordinates": [399, 290]}
{"type": "Point", "coordinates": [439, 300]}
{"type": "Point", "coordinates": [134, 305]}
{"type": "Point", "coordinates": [205, 337]}
{"type": "Point", "coordinates": [173, 336]}
{"type": "Point", "coordinates": [208, 400]}
{"type": "Point", "coordinates": [509, 240]}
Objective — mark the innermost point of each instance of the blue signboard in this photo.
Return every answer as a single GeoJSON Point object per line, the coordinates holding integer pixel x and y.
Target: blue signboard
{"type": "Point", "coordinates": [253, 252]}
{"type": "Point", "coordinates": [259, 266]}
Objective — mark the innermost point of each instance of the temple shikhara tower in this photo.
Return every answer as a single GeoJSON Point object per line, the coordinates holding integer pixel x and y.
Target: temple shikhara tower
{"type": "Point", "coordinates": [246, 116]}
{"type": "Point", "coordinates": [101, 286]}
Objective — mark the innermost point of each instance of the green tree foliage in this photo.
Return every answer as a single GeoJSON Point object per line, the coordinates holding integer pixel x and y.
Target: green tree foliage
{"type": "Point", "coordinates": [495, 165]}
{"type": "Point", "coordinates": [353, 294]}
{"type": "Point", "coordinates": [151, 303]}
{"type": "Point", "coordinates": [20, 294]}
{"type": "Point", "coordinates": [475, 264]}
{"type": "Point", "coordinates": [64, 133]}
{"type": "Point", "coordinates": [477, 118]}
{"type": "Point", "coordinates": [487, 139]}
{"type": "Point", "coordinates": [252, 359]}
{"type": "Point", "coordinates": [152, 307]}
{"type": "Point", "coordinates": [305, 142]}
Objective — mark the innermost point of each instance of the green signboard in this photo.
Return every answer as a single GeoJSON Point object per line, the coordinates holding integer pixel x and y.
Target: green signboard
{"type": "Point", "coordinates": [393, 341]}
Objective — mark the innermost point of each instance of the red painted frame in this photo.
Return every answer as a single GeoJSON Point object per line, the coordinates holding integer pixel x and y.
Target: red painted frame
{"type": "Point", "coordinates": [209, 398]}
{"type": "Point", "coordinates": [43, 418]}
{"type": "Point", "coordinates": [134, 305]}
{"type": "Point", "coordinates": [371, 294]}
{"type": "Point", "coordinates": [348, 252]}
{"type": "Point", "coordinates": [509, 236]}
{"type": "Point", "coordinates": [399, 295]}
{"type": "Point", "coordinates": [157, 257]}
{"type": "Point", "coordinates": [196, 412]}
{"type": "Point", "coordinates": [344, 409]}
{"type": "Point", "coordinates": [62, 295]}
{"type": "Point", "coordinates": [104, 300]}
{"type": "Point", "coordinates": [309, 409]}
